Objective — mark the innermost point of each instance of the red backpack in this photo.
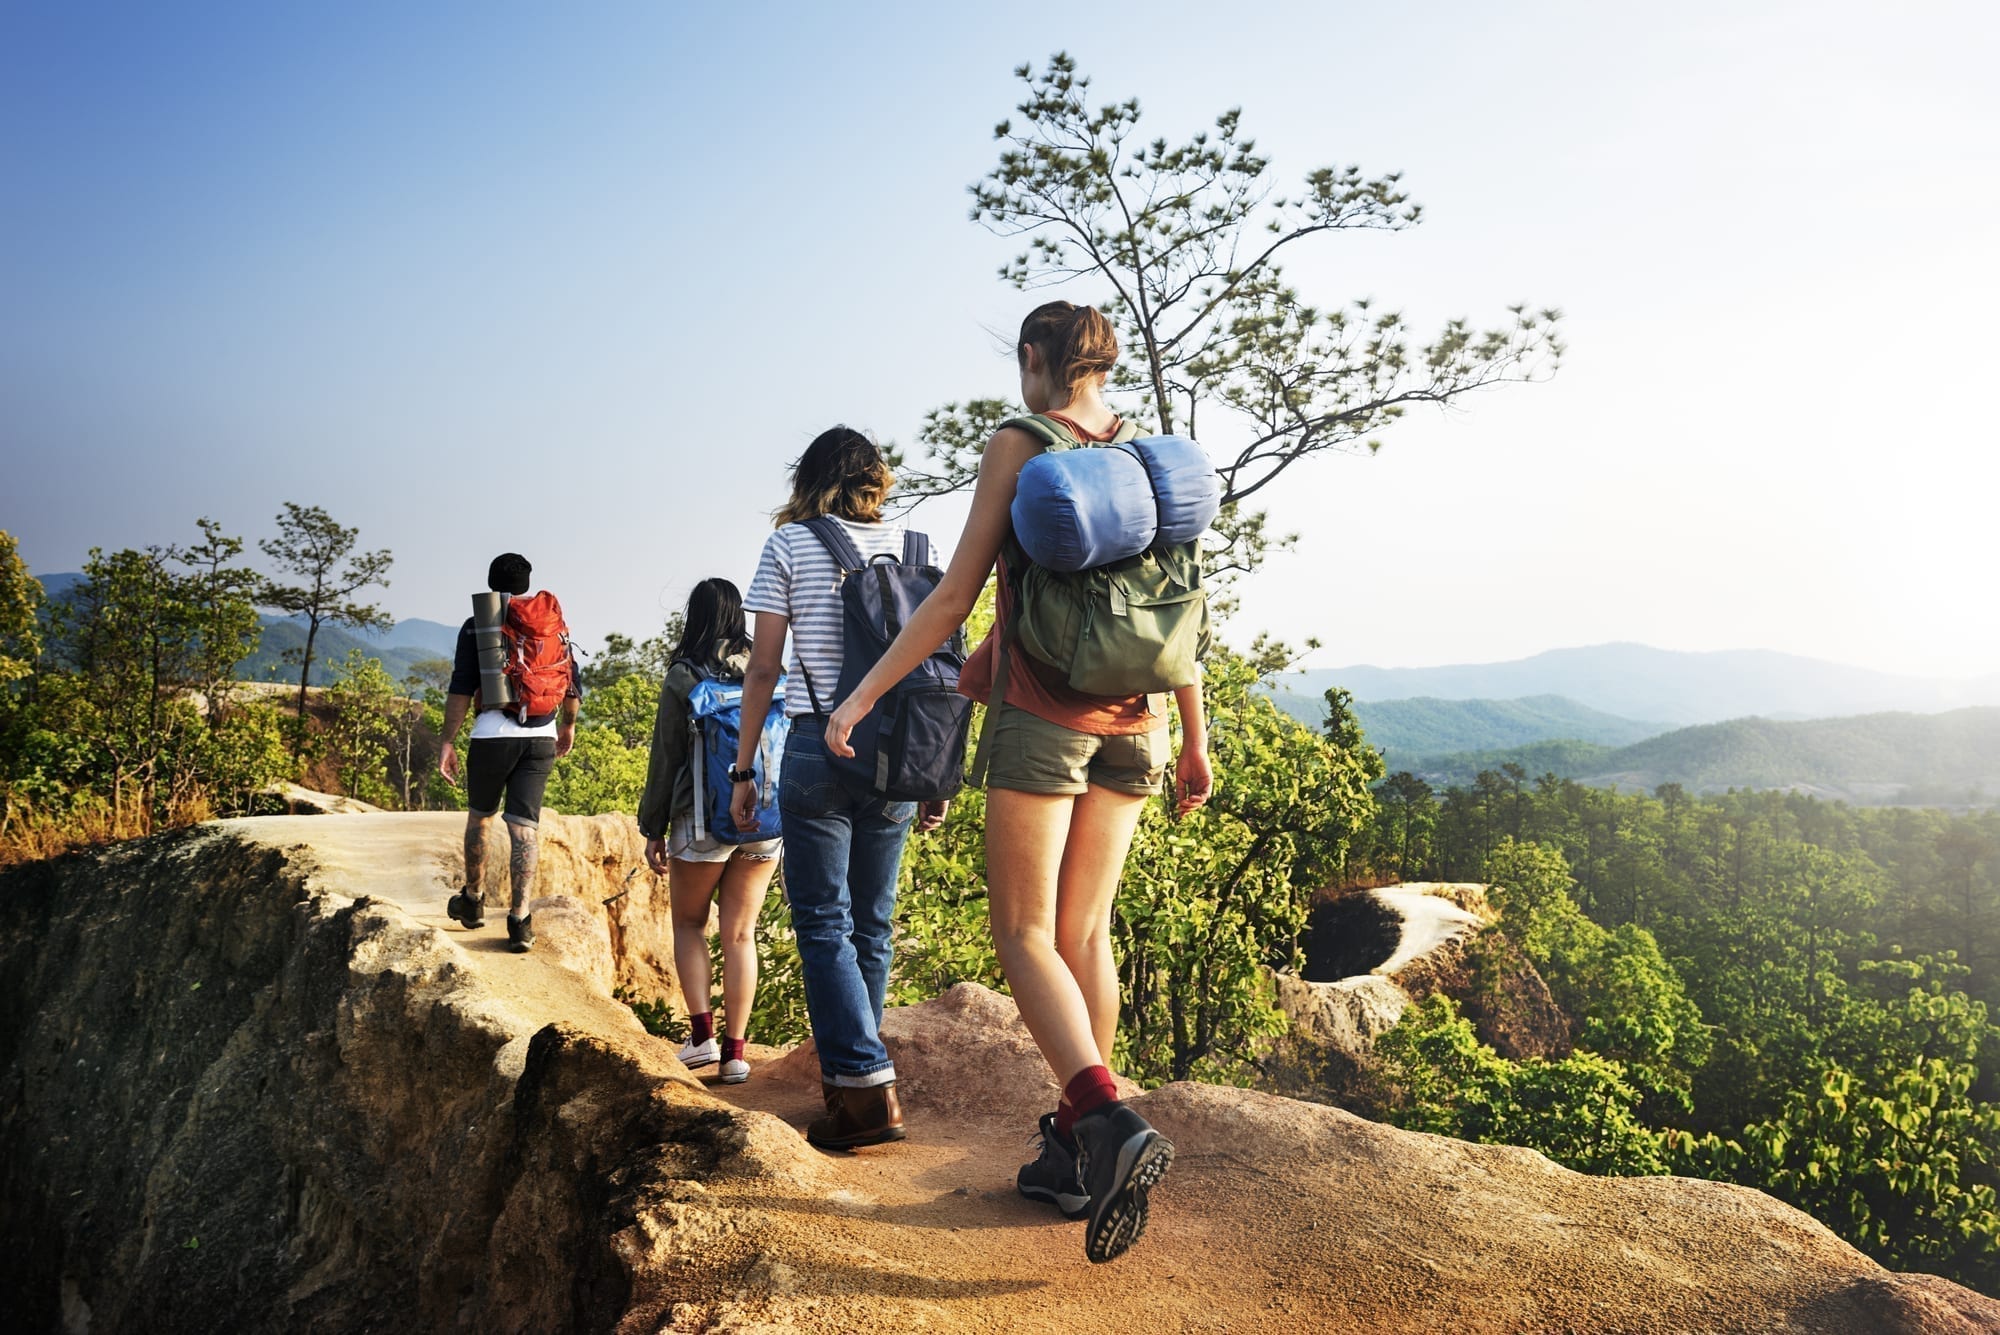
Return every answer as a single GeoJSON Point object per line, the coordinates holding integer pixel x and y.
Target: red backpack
{"type": "Point", "coordinates": [539, 663]}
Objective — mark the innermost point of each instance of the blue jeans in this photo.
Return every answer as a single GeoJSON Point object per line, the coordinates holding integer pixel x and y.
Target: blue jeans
{"type": "Point", "coordinates": [842, 850]}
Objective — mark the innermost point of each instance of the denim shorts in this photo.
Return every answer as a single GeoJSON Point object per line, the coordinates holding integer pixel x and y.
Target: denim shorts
{"type": "Point", "coordinates": [1032, 755]}
{"type": "Point", "coordinates": [682, 846]}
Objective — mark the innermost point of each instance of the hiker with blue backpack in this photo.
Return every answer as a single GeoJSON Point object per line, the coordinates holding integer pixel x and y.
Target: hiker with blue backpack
{"type": "Point", "coordinates": [691, 835]}
{"type": "Point", "coordinates": [838, 578]}
{"type": "Point", "coordinates": [1100, 618]}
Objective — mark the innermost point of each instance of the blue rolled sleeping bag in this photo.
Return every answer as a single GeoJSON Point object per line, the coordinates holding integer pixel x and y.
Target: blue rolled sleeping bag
{"type": "Point", "coordinates": [1082, 508]}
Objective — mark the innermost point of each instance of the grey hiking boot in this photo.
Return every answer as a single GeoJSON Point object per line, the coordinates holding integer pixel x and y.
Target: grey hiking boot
{"type": "Point", "coordinates": [466, 908]}
{"type": "Point", "coordinates": [520, 934]}
{"type": "Point", "coordinates": [1052, 1177]}
{"type": "Point", "coordinates": [1119, 1158]}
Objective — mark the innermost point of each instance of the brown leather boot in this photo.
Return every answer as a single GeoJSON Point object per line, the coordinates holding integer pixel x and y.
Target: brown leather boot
{"type": "Point", "coordinates": [857, 1117]}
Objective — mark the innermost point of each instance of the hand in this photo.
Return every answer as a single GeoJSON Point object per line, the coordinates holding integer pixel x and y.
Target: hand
{"type": "Point", "coordinates": [656, 855]}
{"type": "Point", "coordinates": [1192, 781]}
{"type": "Point", "coordinates": [843, 722]}
{"type": "Point", "coordinates": [448, 761]}
{"type": "Point", "coordinates": [932, 815]}
{"type": "Point", "coordinates": [743, 805]}
{"type": "Point", "coordinates": [565, 738]}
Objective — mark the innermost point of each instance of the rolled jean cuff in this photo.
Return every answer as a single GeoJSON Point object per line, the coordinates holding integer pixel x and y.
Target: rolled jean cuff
{"type": "Point", "coordinates": [885, 1076]}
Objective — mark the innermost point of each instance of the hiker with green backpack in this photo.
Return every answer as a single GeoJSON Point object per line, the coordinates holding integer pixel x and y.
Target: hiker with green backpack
{"type": "Point", "coordinates": [1075, 675]}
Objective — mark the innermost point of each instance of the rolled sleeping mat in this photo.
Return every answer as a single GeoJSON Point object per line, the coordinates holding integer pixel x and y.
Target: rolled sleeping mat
{"type": "Point", "coordinates": [1082, 508]}
{"type": "Point", "coordinates": [489, 613]}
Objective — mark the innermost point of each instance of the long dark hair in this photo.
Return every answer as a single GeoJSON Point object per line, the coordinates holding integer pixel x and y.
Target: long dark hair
{"type": "Point", "coordinates": [712, 628]}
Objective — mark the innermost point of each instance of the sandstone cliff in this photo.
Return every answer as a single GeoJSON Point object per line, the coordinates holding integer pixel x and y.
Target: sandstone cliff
{"type": "Point", "coordinates": [251, 1079]}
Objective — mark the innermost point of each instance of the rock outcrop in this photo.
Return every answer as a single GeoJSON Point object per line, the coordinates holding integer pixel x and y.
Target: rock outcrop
{"type": "Point", "coordinates": [252, 1080]}
{"type": "Point", "coordinates": [1372, 953]}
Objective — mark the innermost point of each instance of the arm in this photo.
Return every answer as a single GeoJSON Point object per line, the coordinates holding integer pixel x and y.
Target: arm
{"type": "Point", "coordinates": [1193, 779]}
{"type": "Point", "coordinates": [986, 528]}
{"type": "Point", "coordinates": [767, 664]}
{"type": "Point", "coordinates": [665, 759]}
{"type": "Point", "coordinates": [455, 707]}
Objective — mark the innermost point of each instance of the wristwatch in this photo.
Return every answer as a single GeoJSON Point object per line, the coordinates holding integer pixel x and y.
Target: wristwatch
{"type": "Point", "coordinates": [742, 776]}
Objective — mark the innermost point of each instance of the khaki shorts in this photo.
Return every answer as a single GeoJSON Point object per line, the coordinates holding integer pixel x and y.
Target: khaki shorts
{"type": "Point", "coordinates": [1033, 755]}
{"type": "Point", "coordinates": [682, 846]}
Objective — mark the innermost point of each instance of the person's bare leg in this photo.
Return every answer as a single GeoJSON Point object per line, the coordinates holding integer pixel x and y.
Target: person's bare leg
{"type": "Point", "coordinates": [475, 854]}
{"type": "Point", "coordinates": [1100, 835]}
{"type": "Point", "coordinates": [1025, 833]}
{"type": "Point", "coordinates": [690, 886]}
{"type": "Point", "coordinates": [524, 845]}
{"type": "Point", "coordinates": [743, 886]}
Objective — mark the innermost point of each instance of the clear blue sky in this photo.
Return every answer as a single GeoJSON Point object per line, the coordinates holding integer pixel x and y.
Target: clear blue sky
{"type": "Point", "coordinates": [580, 281]}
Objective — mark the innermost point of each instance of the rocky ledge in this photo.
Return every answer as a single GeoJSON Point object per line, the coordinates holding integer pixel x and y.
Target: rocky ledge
{"type": "Point", "coordinates": [251, 1079]}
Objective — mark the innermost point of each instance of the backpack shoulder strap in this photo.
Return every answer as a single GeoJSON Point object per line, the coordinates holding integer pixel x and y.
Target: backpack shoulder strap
{"type": "Point", "coordinates": [916, 548]}
{"type": "Point", "coordinates": [1053, 434]}
{"type": "Point", "coordinates": [838, 545]}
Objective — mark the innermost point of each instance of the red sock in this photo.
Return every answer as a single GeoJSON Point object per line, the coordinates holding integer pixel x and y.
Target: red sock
{"type": "Point", "coordinates": [701, 1027]}
{"type": "Point", "coordinates": [1090, 1089]}
{"type": "Point", "coordinates": [732, 1048]}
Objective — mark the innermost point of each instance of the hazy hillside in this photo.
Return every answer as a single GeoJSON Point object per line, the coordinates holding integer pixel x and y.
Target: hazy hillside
{"type": "Point", "coordinates": [400, 647]}
{"type": "Point", "coordinates": [1871, 759]}
{"type": "Point", "coordinates": [1637, 682]}
{"type": "Point", "coordinates": [1408, 729]}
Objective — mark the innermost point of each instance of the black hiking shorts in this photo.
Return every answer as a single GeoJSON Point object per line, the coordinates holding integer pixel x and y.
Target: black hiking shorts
{"type": "Point", "coordinates": [516, 766]}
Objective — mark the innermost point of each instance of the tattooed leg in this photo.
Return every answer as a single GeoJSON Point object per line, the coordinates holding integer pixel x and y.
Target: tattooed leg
{"type": "Point", "coordinates": [475, 854]}
{"type": "Point", "coordinates": [526, 847]}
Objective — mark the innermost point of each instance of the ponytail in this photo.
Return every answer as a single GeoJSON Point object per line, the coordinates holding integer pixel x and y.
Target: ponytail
{"type": "Point", "coordinates": [1076, 342]}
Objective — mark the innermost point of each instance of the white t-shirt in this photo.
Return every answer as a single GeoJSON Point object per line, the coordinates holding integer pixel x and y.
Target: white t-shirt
{"type": "Point", "coordinates": [798, 578]}
{"type": "Point", "coordinates": [491, 723]}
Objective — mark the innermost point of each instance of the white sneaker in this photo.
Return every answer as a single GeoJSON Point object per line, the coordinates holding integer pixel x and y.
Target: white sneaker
{"type": "Point", "coordinates": [699, 1054]}
{"type": "Point", "coordinates": [735, 1071]}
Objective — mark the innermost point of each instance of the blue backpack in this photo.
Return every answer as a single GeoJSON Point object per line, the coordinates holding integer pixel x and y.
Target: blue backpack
{"type": "Point", "coordinates": [911, 747]}
{"type": "Point", "coordinates": [715, 709]}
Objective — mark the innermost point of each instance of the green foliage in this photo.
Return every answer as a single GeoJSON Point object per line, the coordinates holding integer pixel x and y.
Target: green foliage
{"type": "Point", "coordinates": [365, 711]}
{"type": "Point", "coordinates": [20, 600]}
{"type": "Point", "coordinates": [626, 708]}
{"type": "Point", "coordinates": [1902, 1163]}
{"type": "Point", "coordinates": [1208, 901]}
{"type": "Point", "coordinates": [1797, 993]}
{"type": "Point", "coordinates": [1581, 1111]}
{"type": "Point", "coordinates": [942, 933]}
{"type": "Point", "coordinates": [310, 547]}
{"type": "Point", "coordinates": [656, 1014]}
{"type": "Point", "coordinates": [601, 773]}
{"type": "Point", "coordinates": [781, 1015]}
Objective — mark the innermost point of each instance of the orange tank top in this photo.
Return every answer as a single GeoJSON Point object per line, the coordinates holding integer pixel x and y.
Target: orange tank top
{"type": "Point", "coordinates": [1034, 686]}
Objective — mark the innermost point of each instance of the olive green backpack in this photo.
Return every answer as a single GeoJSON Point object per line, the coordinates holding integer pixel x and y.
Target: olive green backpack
{"type": "Point", "coordinates": [1134, 627]}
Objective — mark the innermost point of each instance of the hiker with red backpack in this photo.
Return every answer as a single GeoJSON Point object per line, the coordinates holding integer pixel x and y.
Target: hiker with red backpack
{"type": "Point", "coordinates": [1101, 617]}
{"type": "Point", "coordinates": [515, 670]}
{"type": "Point", "coordinates": [830, 577]}
{"type": "Point", "coordinates": [691, 836]}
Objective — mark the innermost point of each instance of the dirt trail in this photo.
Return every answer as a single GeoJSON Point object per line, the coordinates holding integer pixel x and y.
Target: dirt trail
{"type": "Point", "coordinates": [1277, 1215]}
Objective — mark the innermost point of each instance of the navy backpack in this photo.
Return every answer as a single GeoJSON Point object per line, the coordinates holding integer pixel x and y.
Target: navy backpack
{"type": "Point", "coordinates": [911, 747]}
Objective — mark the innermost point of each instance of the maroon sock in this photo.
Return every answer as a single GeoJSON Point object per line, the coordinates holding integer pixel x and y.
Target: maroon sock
{"type": "Point", "coordinates": [701, 1027]}
{"type": "Point", "coordinates": [732, 1048]}
{"type": "Point", "coordinates": [1090, 1089]}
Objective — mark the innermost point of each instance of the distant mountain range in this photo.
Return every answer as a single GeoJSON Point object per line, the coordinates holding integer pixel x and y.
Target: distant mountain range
{"type": "Point", "coordinates": [1408, 729]}
{"type": "Point", "coordinates": [1949, 759]}
{"type": "Point", "coordinates": [400, 648]}
{"type": "Point", "coordinates": [1634, 681]}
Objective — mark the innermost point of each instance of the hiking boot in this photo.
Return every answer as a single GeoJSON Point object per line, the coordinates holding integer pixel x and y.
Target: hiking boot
{"type": "Point", "coordinates": [857, 1117]}
{"type": "Point", "coordinates": [735, 1071]}
{"type": "Point", "coordinates": [466, 909]}
{"type": "Point", "coordinates": [521, 934]}
{"type": "Point", "coordinates": [693, 1054]}
{"type": "Point", "coordinates": [1052, 1177]}
{"type": "Point", "coordinates": [1119, 1158]}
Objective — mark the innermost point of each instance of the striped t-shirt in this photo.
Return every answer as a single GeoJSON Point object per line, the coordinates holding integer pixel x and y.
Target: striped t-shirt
{"type": "Point", "coordinates": [797, 578]}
